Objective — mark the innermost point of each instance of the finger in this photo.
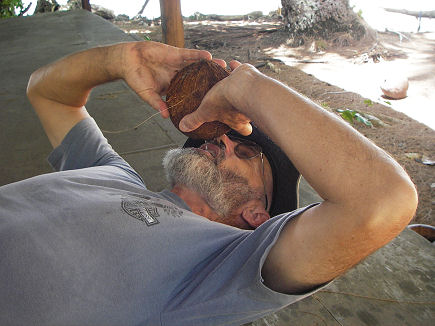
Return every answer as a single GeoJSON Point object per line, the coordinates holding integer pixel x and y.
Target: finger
{"type": "Point", "coordinates": [234, 64]}
{"type": "Point", "coordinates": [238, 121]}
{"type": "Point", "coordinates": [244, 129]}
{"type": "Point", "coordinates": [193, 55]}
{"type": "Point", "coordinates": [220, 62]}
{"type": "Point", "coordinates": [155, 100]}
{"type": "Point", "coordinates": [191, 121]}
{"type": "Point", "coordinates": [163, 109]}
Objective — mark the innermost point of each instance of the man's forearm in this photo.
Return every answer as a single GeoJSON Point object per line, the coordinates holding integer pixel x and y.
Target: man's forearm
{"type": "Point", "coordinates": [344, 167]}
{"type": "Point", "coordinates": [70, 79]}
{"type": "Point", "coordinates": [59, 91]}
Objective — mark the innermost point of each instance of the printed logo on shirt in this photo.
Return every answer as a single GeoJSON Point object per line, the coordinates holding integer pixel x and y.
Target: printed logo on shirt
{"type": "Point", "coordinates": [141, 211]}
{"type": "Point", "coordinates": [145, 208]}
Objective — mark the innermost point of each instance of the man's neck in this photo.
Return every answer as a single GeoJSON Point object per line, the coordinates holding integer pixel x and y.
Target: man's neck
{"type": "Point", "coordinates": [196, 203]}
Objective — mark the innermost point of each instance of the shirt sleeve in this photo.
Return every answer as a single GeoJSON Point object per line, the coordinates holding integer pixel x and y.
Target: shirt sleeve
{"type": "Point", "coordinates": [85, 146]}
{"type": "Point", "coordinates": [229, 289]}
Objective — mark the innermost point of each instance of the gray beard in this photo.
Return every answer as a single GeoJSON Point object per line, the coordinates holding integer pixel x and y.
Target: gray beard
{"type": "Point", "coordinates": [222, 189]}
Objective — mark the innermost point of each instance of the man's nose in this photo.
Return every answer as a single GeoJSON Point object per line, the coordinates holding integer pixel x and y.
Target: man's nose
{"type": "Point", "coordinates": [229, 145]}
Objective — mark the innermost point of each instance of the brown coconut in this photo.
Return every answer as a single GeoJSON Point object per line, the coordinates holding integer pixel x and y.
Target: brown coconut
{"type": "Point", "coordinates": [186, 91]}
{"type": "Point", "coordinates": [395, 87]}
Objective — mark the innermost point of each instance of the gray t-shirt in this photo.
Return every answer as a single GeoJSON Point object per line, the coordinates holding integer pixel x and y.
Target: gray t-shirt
{"type": "Point", "coordinates": [90, 245]}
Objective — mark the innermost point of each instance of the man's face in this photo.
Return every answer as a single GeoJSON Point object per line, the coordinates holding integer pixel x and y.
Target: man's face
{"type": "Point", "coordinates": [246, 159]}
{"type": "Point", "coordinates": [224, 181]}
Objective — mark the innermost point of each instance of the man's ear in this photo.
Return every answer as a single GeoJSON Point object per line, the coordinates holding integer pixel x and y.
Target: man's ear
{"type": "Point", "coordinates": [255, 215]}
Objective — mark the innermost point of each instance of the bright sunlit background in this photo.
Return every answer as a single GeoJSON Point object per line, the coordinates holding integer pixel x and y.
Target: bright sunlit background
{"type": "Point", "coordinates": [188, 7]}
{"type": "Point", "coordinates": [371, 10]}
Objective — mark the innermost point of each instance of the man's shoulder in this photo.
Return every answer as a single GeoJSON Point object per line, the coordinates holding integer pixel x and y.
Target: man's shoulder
{"type": "Point", "coordinates": [85, 146]}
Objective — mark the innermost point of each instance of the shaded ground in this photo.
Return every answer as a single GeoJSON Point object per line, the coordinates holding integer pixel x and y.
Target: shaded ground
{"type": "Point", "coordinates": [259, 43]}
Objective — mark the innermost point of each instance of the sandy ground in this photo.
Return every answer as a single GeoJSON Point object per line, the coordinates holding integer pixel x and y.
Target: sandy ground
{"type": "Point", "coordinates": [415, 60]}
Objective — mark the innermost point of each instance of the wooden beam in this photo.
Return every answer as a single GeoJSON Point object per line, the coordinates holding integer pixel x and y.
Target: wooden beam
{"type": "Point", "coordinates": [172, 23]}
{"type": "Point", "coordinates": [86, 5]}
{"type": "Point", "coordinates": [423, 14]}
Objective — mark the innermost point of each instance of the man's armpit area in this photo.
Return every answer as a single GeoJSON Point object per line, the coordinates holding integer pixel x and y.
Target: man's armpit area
{"type": "Point", "coordinates": [287, 286]}
{"type": "Point", "coordinates": [280, 274]}
{"type": "Point", "coordinates": [276, 280]}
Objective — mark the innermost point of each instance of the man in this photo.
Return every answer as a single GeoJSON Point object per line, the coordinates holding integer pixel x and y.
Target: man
{"type": "Point", "coordinates": [90, 245]}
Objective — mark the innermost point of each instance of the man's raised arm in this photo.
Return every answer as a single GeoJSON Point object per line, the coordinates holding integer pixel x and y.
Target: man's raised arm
{"type": "Point", "coordinates": [59, 91]}
{"type": "Point", "coordinates": [368, 197]}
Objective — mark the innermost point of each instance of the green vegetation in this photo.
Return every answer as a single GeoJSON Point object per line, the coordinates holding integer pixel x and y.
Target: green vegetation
{"type": "Point", "coordinates": [325, 105]}
{"type": "Point", "coordinates": [352, 115]}
{"type": "Point", "coordinates": [8, 7]}
{"type": "Point", "coordinates": [368, 102]}
{"type": "Point", "coordinates": [321, 45]}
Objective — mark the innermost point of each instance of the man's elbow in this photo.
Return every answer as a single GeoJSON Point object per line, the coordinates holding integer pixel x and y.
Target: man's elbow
{"type": "Point", "coordinates": [404, 201]}
{"type": "Point", "coordinates": [395, 209]}
{"type": "Point", "coordinates": [31, 86]}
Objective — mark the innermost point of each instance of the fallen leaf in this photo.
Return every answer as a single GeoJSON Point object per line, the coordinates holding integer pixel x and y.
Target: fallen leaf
{"type": "Point", "coordinates": [413, 156]}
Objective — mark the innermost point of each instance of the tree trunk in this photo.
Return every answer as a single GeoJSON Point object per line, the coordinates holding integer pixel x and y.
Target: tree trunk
{"type": "Point", "coordinates": [46, 6]}
{"type": "Point", "coordinates": [86, 5]}
{"type": "Point", "coordinates": [172, 23]}
{"type": "Point", "coordinates": [321, 19]}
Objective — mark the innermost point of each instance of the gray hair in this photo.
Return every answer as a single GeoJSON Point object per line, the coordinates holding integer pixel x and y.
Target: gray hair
{"type": "Point", "coordinates": [222, 189]}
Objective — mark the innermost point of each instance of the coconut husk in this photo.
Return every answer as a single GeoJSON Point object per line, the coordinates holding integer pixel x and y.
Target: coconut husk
{"type": "Point", "coordinates": [186, 91]}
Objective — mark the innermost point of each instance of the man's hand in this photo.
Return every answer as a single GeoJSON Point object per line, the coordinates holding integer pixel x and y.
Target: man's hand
{"type": "Point", "coordinates": [220, 104]}
{"type": "Point", "coordinates": [148, 68]}
{"type": "Point", "coordinates": [59, 91]}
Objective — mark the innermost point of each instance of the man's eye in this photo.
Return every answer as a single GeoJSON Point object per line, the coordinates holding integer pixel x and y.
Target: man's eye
{"type": "Point", "coordinates": [246, 151]}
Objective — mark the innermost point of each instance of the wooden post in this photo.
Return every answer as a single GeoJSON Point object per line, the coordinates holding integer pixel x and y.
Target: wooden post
{"type": "Point", "coordinates": [86, 5]}
{"type": "Point", "coordinates": [172, 23]}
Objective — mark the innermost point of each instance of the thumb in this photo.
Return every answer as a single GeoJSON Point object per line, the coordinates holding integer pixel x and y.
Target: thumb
{"type": "Point", "coordinates": [244, 128]}
{"type": "Point", "coordinates": [191, 121]}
